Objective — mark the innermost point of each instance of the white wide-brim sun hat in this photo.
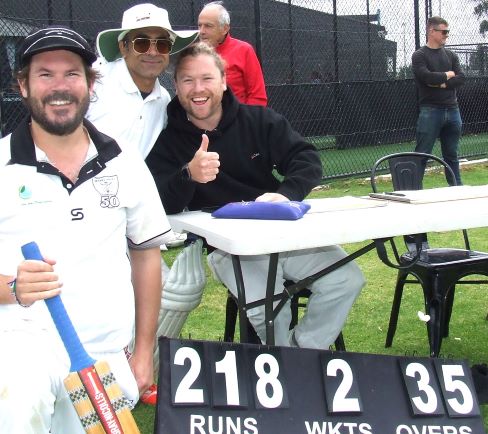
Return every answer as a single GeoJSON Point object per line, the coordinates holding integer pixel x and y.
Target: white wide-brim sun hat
{"type": "Point", "coordinates": [138, 17]}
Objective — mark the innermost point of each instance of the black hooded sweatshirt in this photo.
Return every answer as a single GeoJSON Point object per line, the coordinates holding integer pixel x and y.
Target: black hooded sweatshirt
{"type": "Point", "coordinates": [254, 144]}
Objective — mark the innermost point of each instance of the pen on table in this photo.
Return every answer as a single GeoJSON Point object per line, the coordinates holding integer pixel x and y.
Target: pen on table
{"type": "Point", "coordinates": [392, 193]}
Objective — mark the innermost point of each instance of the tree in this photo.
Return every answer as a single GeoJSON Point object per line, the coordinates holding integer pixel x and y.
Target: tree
{"type": "Point", "coordinates": [481, 10]}
{"type": "Point", "coordinates": [478, 60]}
{"type": "Point", "coordinates": [405, 72]}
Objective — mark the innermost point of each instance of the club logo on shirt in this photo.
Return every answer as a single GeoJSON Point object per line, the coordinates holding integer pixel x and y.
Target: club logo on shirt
{"type": "Point", "coordinates": [25, 192]}
{"type": "Point", "coordinates": [107, 186]}
{"type": "Point", "coordinates": [31, 197]}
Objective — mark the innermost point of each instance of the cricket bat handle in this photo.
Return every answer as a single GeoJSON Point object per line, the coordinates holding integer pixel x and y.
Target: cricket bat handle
{"type": "Point", "coordinates": [79, 358]}
{"type": "Point", "coordinates": [95, 407]}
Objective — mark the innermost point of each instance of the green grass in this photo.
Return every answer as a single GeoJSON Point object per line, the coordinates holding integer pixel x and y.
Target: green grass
{"type": "Point", "coordinates": [346, 162]}
{"type": "Point", "coordinates": [366, 326]}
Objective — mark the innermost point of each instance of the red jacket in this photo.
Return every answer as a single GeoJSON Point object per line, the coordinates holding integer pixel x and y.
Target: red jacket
{"type": "Point", "coordinates": [243, 71]}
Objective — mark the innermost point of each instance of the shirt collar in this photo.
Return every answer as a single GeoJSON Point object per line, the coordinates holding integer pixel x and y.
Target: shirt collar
{"type": "Point", "coordinates": [128, 83]}
{"type": "Point", "coordinates": [23, 150]}
{"type": "Point", "coordinates": [226, 39]}
{"type": "Point", "coordinates": [92, 152]}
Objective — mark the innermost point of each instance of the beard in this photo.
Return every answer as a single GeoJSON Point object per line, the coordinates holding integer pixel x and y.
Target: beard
{"type": "Point", "coordinates": [63, 125]}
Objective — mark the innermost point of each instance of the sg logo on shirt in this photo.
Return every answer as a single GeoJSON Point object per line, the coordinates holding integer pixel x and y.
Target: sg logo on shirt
{"type": "Point", "coordinates": [77, 214]}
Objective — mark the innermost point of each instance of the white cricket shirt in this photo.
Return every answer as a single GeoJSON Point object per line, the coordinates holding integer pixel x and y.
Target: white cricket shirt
{"type": "Point", "coordinates": [85, 227]}
{"type": "Point", "coordinates": [119, 110]}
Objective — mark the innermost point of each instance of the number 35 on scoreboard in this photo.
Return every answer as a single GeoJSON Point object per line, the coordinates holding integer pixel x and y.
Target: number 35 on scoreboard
{"type": "Point", "coordinates": [423, 381]}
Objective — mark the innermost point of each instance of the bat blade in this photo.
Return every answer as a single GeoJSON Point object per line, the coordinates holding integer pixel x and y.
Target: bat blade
{"type": "Point", "coordinates": [81, 401]}
{"type": "Point", "coordinates": [99, 401]}
{"type": "Point", "coordinates": [91, 386]}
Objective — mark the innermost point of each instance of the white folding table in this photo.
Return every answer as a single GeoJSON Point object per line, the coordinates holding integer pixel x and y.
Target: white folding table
{"type": "Point", "coordinates": [332, 221]}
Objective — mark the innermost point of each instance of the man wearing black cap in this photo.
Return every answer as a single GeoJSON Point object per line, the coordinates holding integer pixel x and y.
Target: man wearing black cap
{"type": "Point", "coordinates": [71, 189]}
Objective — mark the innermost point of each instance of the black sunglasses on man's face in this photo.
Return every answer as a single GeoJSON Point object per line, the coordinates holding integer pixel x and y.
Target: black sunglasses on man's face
{"type": "Point", "coordinates": [142, 45]}
{"type": "Point", "coordinates": [445, 32]}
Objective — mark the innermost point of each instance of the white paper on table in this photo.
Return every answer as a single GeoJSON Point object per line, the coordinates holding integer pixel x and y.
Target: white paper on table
{"type": "Point", "coordinates": [342, 204]}
{"type": "Point", "coordinates": [433, 195]}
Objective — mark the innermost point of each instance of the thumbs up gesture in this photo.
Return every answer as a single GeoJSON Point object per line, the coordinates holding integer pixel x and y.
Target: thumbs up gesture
{"type": "Point", "coordinates": [204, 166]}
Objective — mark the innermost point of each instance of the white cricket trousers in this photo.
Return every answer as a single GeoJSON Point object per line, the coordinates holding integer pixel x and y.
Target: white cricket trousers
{"type": "Point", "coordinates": [332, 295]}
{"type": "Point", "coordinates": [33, 364]}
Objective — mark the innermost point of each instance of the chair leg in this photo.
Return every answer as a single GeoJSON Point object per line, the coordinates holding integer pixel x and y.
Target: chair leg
{"type": "Point", "coordinates": [231, 312]}
{"type": "Point", "coordinates": [230, 319]}
{"type": "Point", "coordinates": [435, 302]}
{"type": "Point", "coordinates": [339, 343]}
{"type": "Point", "coordinates": [449, 302]}
{"type": "Point", "coordinates": [294, 304]}
{"type": "Point", "coordinates": [395, 308]}
{"type": "Point", "coordinates": [434, 329]}
{"type": "Point", "coordinates": [252, 336]}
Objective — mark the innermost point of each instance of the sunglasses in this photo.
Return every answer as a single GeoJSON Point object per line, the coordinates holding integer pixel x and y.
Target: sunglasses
{"type": "Point", "coordinates": [143, 45]}
{"type": "Point", "coordinates": [444, 32]}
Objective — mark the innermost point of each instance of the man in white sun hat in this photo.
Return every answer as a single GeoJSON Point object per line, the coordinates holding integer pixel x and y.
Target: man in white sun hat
{"type": "Point", "coordinates": [129, 104]}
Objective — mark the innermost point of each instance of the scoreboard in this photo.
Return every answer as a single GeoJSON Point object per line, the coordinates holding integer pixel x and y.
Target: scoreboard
{"type": "Point", "coordinates": [228, 388]}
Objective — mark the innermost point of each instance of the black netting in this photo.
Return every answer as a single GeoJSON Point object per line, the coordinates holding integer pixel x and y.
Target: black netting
{"type": "Point", "coordinates": [340, 70]}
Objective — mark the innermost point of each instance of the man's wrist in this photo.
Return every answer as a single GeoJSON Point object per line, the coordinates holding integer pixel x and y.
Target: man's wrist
{"type": "Point", "coordinates": [13, 291]}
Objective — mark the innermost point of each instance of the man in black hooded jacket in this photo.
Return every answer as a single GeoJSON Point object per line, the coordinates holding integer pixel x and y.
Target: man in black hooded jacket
{"type": "Point", "coordinates": [215, 150]}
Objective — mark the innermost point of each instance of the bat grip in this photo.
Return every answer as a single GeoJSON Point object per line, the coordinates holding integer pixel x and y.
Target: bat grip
{"type": "Point", "coordinates": [78, 356]}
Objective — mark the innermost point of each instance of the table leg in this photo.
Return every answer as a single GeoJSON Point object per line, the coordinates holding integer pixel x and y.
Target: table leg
{"type": "Point", "coordinates": [241, 298]}
{"type": "Point", "coordinates": [269, 313]}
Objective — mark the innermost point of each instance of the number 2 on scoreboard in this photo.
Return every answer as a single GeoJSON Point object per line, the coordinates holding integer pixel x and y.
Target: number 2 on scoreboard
{"type": "Point", "coordinates": [341, 389]}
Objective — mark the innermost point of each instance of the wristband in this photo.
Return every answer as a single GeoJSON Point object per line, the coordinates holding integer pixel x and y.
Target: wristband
{"type": "Point", "coordinates": [12, 286]}
{"type": "Point", "coordinates": [185, 172]}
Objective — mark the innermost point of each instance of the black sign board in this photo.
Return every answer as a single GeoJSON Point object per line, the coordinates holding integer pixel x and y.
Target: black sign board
{"type": "Point", "coordinates": [227, 388]}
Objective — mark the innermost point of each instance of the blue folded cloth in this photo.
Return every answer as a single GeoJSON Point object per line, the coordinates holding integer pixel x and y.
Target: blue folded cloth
{"type": "Point", "coordinates": [291, 210]}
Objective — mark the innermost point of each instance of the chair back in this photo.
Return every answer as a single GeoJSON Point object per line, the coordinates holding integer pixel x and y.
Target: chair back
{"type": "Point", "coordinates": [406, 169]}
{"type": "Point", "coordinates": [407, 173]}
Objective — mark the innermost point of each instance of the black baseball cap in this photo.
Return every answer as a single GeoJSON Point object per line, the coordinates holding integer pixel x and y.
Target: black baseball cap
{"type": "Point", "coordinates": [54, 38]}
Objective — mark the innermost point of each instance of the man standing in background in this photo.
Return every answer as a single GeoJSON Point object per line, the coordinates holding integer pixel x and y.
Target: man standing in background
{"type": "Point", "coordinates": [242, 68]}
{"type": "Point", "coordinates": [438, 74]}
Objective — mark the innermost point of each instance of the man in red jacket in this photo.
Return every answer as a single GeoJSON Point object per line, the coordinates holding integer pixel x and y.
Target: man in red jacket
{"type": "Point", "coordinates": [242, 70]}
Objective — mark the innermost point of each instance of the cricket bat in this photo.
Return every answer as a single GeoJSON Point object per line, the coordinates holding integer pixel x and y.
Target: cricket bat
{"type": "Point", "coordinates": [96, 396]}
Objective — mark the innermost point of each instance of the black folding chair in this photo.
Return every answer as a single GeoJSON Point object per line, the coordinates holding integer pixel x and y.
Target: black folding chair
{"type": "Point", "coordinates": [437, 270]}
{"type": "Point", "coordinates": [295, 303]}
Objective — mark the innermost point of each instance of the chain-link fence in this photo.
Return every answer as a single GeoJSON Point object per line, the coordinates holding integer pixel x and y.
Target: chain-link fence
{"type": "Point", "coordinates": [340, 70]}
